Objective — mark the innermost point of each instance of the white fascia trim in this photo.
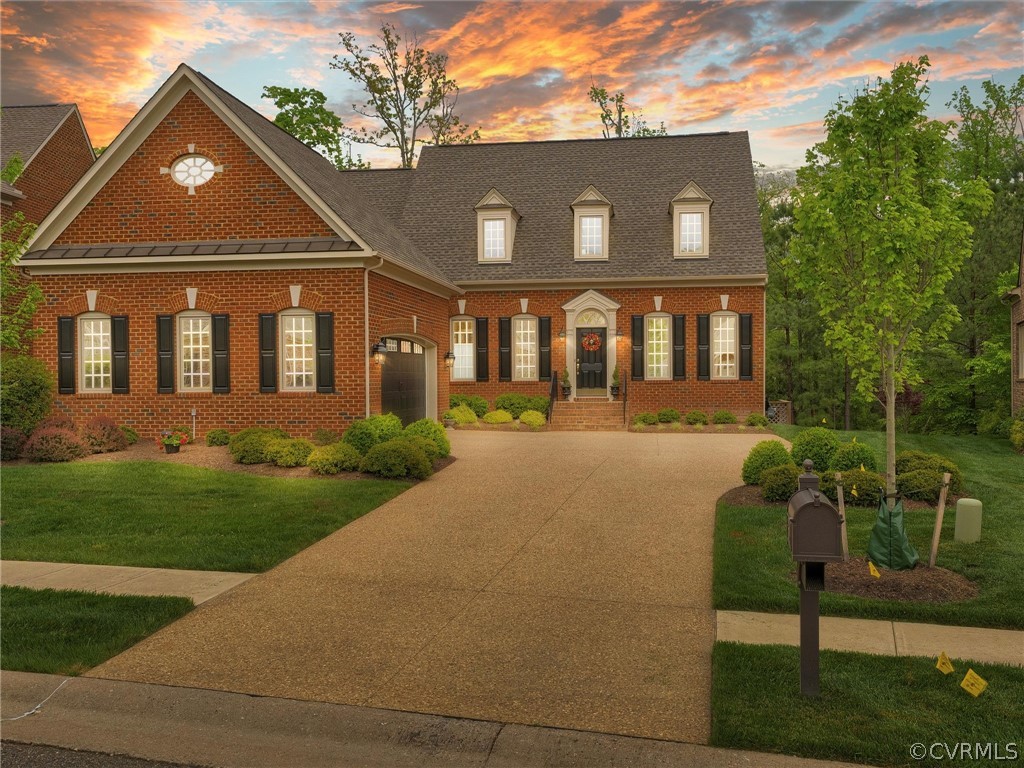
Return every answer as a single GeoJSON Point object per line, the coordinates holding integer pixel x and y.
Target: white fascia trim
{"type": "Point", "coordinates": [622, 282]}
{"type": "Point", "coordinates": [417, 279]}
{"type": "Point", "coordinates": [197, 263]}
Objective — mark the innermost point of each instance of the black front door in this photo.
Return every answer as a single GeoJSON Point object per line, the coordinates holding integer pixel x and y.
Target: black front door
{"type": "Point", "coordinates": [590, 358]}
{"type": "Point", "coordinates": [403, 381]}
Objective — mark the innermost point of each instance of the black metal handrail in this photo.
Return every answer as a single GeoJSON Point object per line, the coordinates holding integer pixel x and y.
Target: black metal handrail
{"type": "Point", "coordinates": [552, 394]}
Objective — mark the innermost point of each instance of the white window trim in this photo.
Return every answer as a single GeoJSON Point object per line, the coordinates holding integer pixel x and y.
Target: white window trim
{"type": "Point", "coordinates": [736, 345]}
{"type": "Point", "coordinates": [296, 312]}
{"type": "Point", "coordinates": [604, 212]}
{"type": "Point", "coordinates": [668, 352]}
{"type": "Point", "coordinates": [704, 209]}
{"type": "Point", "coordinates": [536, 344]}
{"type": "Point", "coordinates": [179, 350]}
{"type": "Point", "coordinates": [79, 342]}
{"type": "Point", "coordinates": [472, 355]}
{"type": "Point", "coordinates": [494, 216]}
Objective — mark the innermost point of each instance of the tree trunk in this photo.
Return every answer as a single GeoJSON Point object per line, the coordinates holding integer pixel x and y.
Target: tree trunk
{"type": "Point", "coordinates": [848, 386]}
{"type": "Point", "coordinates": [889, 376]}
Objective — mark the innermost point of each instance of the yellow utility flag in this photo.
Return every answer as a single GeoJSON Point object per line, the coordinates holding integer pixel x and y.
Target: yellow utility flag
{"type": "Point", "coordinates": [854, 439]}
{"type": "Point", "coordinates": [973, 683]}
{"type": "Point", "coordinates": [873, 571]}
{"type": "Point", "coordinates": [823, 421]}
{"type": "Point", "coordinates": [944, 665]}
{"type": "Point", "coordinates": [862, 468]}
{"type": "Point", "coordinates": [853, 491]}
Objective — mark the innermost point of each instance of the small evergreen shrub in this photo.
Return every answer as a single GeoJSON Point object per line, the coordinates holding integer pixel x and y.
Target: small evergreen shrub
{"type": "Point", "coordinates": [334, 458]}
{"type": "Point", "coordinates": [852, 456]}
{"type": "Point", "coordinates": [922, 484]}
{"type": "Point", "coordinates": [764, 455]}
{"type": "Point", "coordinates": [696, 417]}
{"type": "Point", "coordinates": [912, 461]}
{"type": "Point", "coordinates": [538, 403]}
{"type": "Point", "coordinates": [218, 437]}
{"type": "Point", "coordinates": [1017, 435]}
{"type": "Point", "coordinates": [26, 392]}
{"type": "Point", "coordinates": [511, 402]}
{"type": "Point", "coordinates": [386, 425]}
{"type": "Point", "coordinates": [102, 435]}
{"type": "Point", "coordinates": [432, 430]}
{"type": "Point", "coordinates": [477, 404]}
{"type": "Point", "coordinates": [668, 415]}
{"type": "Point", "coordinates": [250, 445]}
{"type": "Point", "coordinates": [11, 442]}
{"type": "Point", "coordinates": [724, 417]}
{"type": "Point", "coordinates": [397, 458]}
{"type": "Point", "coordinates": [779, 483]}
{"type": "Point", "coordinates": [869, 487]}
{"type": "Point", "coordinates": [817, 444]}
{"type": "Point", "coordinates": [756, 420]}
{"type": "Point", "coordinates": [425, 444]}
{"type": "Point", "coordinates": [498, 417]}
{"type": "Point", "coordinates": [645, 419]}
{"type": "Point", "coordinates": [54, 444]}
{"type": "Point", "coordinates": [532, 419]}
{"type": "Point", "coordinates": [289, 453]}
{"type": "Point", "coordinates": [325, 437]}
{"type": "Point", "coordinates": [360, 435]}
{"type": "Point", "coordinates": [132, 436]}
{"type": "Point", "coordinates": [462, 414]}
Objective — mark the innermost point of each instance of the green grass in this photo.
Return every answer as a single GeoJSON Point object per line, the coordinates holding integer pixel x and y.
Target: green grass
{"type": "Point", "coordinates": [871, 708]}
{"type": "Point", "coordinates": [67, 633]}
{"type": "Point", "coordinates": [163, 515]}
{"type": "Point", "coordinates": [753, 566]}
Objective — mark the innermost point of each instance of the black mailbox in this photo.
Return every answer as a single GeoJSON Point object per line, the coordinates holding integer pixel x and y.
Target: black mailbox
{"type": "Point", "coordinates": [815, 526]}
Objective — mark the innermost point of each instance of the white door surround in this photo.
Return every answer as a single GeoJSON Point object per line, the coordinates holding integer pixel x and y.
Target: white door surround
{"type": "Point", "coordinates": [603, 310]}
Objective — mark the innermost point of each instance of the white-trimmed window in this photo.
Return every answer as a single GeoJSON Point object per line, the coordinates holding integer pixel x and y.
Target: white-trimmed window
{"type": "Point", "coordinates": [298, 351]}
{"type": "Point", "coordinates": [591, 237]}
{"type": "Point", "coordinates": [724, 345]}
{"type": "Point", "coordinates": [691, 233]}
{"type": "Point", "coordinates": [691, 214]}
{"type": "Point", "coordinates": [494, 240]}
{"type": "Point", "coordinates": [463, 346]}
{"type": "Point", "coordinates": [195, 352]}
{"type": "Point", "coordinates": [94, 341]}
{"type": "Point", "coordinates": [495, 228]}
{"type": "Point", "coordinates": [591, 214]}
{"type": "Point", "coordinates": [524, 348]}
{"type": "Point", "coordinates": [657, 347]}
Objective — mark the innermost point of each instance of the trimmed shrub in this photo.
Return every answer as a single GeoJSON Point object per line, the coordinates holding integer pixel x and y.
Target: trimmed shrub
{"type": "Point", "coordinates": [912, 461]}
{"type": "Point", "coordinates": [54, 444]}
{"type": "Point", "coordinates": [756, 420]}
{"type": "Point", "coordinates": [58, 421]}
{"type": "Point", "coordinates": [696, 417]}
{"type": "Point", "coordinates": [326, 437]}
{"type": "Point", "coordinates": [102, 435]}
{"type": "Point", "coordinates": [644, 418]}
{"type": "Point", "coordinates": [397, 458]}
{"type": "Point", "coordinates": [11, 442]}
{"type": "Point", "coordinates": [386, 425]}
{"type": "Point", "coordinates": [477, 404]}
{"type": "Point", "coordinates": [218, 437]}
{"type": "Point", "coordinates": [250, 445]}
{"type": "Point", "coordinates": [425, 444]}
{"type": "Point", "coordinates": [779, 483]}
{"type": "Point", "coordinates": [432, 430]}
{"type": "Point", "coordinates": [817, 444]}
{"type": "Point", "coordinates": [852, 456]}
{"type": "Point", "coordinates": [532, 419]}
{"type": "Point", "coordinates": [334, 458]}
{"type": "Point", "coordinates": [668, 415]}
{"type": "Point", "coordinates": [765, 455]}
{"type": "Point", "coordinates": [498, 417]}
{"type": "Point", "coordinates": [1017, 436]}
{"type": "Point", "coordinates": [133, 437]}
{"type": "Point", "coordinates": [869, 485]}
{"type": "Point", "coordinates": [724, 417]}
{"type": "Point", "coordinates": [905, 460]}
{"type": "Point", "coordinates": [512, 403]}
{"type": "Point", "coordinates": [922, 484]}
{"type": "Point", "coordinates": [26, 392]}
{"type": "Point", "coordinates": [366, 433]}
{"type": "Point", "coordinates": [539, 403]}
{"type": "Point", "coordinates": [462, 414]}
{"type": "Point", "coordinates": [289, 453]}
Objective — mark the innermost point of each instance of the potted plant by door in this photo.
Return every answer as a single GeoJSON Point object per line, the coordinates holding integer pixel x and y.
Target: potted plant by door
{"type": "Point", "coordinates": [615, 383]}
{"type": "Point", "coordinates": [172, 440]}
{"type": "Point", "coordinates": [566, 386]}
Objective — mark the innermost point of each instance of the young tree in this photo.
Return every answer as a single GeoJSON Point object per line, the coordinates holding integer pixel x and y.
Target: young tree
{"type": "Point", "coordinates": [19, 297]}
{"type": "Point", "coordinates": [881, 231]}
{"type": "Point", "coordinates": [303, 112]}
{"type": "Point", "coordinates": [616, 121]}
{"type": "Point", "coordinates": [408, 92]}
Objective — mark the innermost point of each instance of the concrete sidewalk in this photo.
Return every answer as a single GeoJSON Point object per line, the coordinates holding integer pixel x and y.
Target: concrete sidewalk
{"type": "Point", "coordinates": [120, 580]}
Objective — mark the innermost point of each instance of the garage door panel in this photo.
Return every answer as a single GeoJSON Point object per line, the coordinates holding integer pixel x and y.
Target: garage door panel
{"type": "Point", "coordinates": [404, 382]}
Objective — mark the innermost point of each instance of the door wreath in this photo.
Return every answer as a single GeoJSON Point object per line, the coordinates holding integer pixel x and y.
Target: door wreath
{"type": "Point", "coordinates": [591, 342]}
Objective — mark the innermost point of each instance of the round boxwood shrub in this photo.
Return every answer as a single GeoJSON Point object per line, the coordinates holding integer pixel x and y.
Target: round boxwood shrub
{"type": "Point", "coordinates": [289, 453]}
{"type": "Point", "coordinates": [102, 435]}
{"type": "Point", "coordinates": [869, 486]}
{"type": "Point", "coordinates": [498, 417]}
{"type": "Point", "coordinates": [54, 444]}
{"type": "Point", "coordinates": [360, 435]}
{"type": "Point", "coordinates": [133, 437]}
{"type": "Point", "coordinates": [912, 461]}
{"type": "Point", "coordinates": [511, 402]}
{"type": "Point", "coordinates": [334, 458]}
{"type": "Point", "coordinates": [11, 442]}
{"type": "Point", "coordinates": [538, 403]}
{"type": "Point", "coordinates": [462, 414]}
{"type": "Point", "coordinates": [779, 483]}
{"type": "Point", "coordinates": [644, 418]}
{"type": "Point", "coordinates": [668, 415]}
{"type": "Point", "coordinates": [696, 417]}
{"type": "Point", "coordinates": [756, 420]}
{"type": "Point", "coordinates": [922, 484]}
{"type": "Point", "coordinates": [724, 417]}
{"type": "Point", "coordinates": [386, 425]}
{"type": "Point", "coordinates": [250, 445]}
{"type": "Point", "coordinates": [432, 430]}
{"type": "Point", "coordinates": [218, 437]}
{"type": "Point", "coordinates": [476, 404]}
{"type": "Point", "coordinates": [852, 456]}
{"type": "Point", "coordinates": [425, 444]}
{"type": "Point", "coordinates": [817, 444]}
{"type": "Point", "coordinates": [26, 392]}
{"type": "Point", "coordinates": [397, 458]}
{"type": "Point", "coordinates": [325, 437]}
{"type": "Point", "coordinates": [532, 419]}
{"type": "Point", "coordinates": [764, 455]}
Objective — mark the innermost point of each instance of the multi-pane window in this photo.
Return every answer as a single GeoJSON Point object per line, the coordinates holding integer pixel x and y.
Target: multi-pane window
{"type": "Point", "coordinates": [462, 347]}
{"type": "Point", "coordinates": [657, 348]}
{"type": "Point", "coordinates": [524, 349]}
{"type": "Point", "coordinates": [494, 239]}
{"type": "Point", "coordinates": [298, 354]}
{"type": "Point", "coordinates": [94, 333]}
{"type": "Point", "coordinates": [723, 346]}
{"type": "Point", "coordinates": [591, 236]}
{"type": "Point", "coordinates": [195, 352]}
{"type": "Point", "coordinates": [691, 233]}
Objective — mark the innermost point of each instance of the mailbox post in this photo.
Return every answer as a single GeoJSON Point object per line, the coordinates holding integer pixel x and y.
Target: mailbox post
{"type": "Point", "coordinates": [815, 538]}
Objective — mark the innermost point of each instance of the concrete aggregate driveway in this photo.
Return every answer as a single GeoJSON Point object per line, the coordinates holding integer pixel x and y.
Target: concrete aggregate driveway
{"type": "Point", "coordinates": [559, 579]}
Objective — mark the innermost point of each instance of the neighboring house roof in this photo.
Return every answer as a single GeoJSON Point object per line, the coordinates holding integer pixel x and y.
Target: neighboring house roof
{"type": "Point", "coordinates": [9, 191]}
{"type": "Point", "coordinates": [24, 130]}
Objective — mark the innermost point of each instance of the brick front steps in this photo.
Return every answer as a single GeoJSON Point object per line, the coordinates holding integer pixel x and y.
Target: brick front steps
{"type": "Point", "coordinates": [590, 413]}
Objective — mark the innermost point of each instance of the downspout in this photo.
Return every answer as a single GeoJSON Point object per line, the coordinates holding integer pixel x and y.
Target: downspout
{"type": "Point", "coordinates": [366, 330]}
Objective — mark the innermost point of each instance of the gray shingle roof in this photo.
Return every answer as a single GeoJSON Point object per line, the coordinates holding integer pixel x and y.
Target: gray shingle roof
{"type": "Point", "coordinates": [23, 130]}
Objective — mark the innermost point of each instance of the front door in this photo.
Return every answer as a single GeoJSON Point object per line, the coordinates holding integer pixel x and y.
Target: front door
{"type": "Point", "coordinates": [590, 359]}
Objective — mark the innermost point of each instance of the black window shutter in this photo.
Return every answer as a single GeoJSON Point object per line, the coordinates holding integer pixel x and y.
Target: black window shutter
{"type": "Point", "coordinates": [66, 355]}
{"type": "Point", "coordinates": [544, 334]}
{"type": "Point", "coordinates": [703, 347]}
{"type": "Point", "coordinates": [165, 354]}
{"type": "Point", "coordinates": [746, 347]}
{"type": "Point", "coordinates": [679, 347]}
{"type": "Point", "coordinates": [481, 349]}
{"type": "Point", "coordinates": [119, 354]}
{"type": "Point", "coordinates": [268, 353]}
{"type": "Point", "coordinates": [221, 354]}
{"type": "Point", "coordinates": [637, 340]}
{"type": "Point", "coordinates": [325, 352]}
{"type": "Point", "coordinates": [504, 349]}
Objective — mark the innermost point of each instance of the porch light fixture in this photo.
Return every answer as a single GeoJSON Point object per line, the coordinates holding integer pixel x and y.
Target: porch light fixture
{"type": "Point", "coordinates": [561, 334]}
{"type": "Point", "coordinates": [378, 351]}
{"type": "Point", "coordinates": [618, 333]}
{"type": "Point", "coordinates": [449, 359]}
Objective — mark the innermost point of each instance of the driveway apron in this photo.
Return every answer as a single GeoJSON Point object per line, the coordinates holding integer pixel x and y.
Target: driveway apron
{"type": "Point", "coordinates": [558, 579]}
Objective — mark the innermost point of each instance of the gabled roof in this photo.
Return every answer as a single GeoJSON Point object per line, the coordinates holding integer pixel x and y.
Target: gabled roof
{"type": "Point", "coordinates": [24, 130]}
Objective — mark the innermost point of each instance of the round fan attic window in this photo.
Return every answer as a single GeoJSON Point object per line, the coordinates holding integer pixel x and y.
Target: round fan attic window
{"type": "Point", "coordinates": [192, 170]}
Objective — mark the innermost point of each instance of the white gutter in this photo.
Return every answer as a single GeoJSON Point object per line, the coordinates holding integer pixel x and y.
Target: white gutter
{"type": "Point", "coordinates": [366, 330]}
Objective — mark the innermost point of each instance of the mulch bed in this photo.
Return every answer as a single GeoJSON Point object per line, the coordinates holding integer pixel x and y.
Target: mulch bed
{"type": "Point", "coordinates": [921, 584]}
{"type": "Point", "coordinates": [750, 496]}
{"type": "Point", "coordinates": [727, 429]}
{"type": "Point", "coordinates": [512, 426]}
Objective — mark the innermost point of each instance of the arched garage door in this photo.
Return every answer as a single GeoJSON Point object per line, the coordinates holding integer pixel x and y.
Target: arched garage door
{"type": "Point", "coordinates": [404, 380]}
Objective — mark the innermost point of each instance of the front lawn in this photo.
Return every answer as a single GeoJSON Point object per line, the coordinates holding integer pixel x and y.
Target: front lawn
{"type": "Point", "coordinates": [753, 566]}
{"type": "Point", "coordinates": [872, 709]}
{"type": "Point", "coordinates": [67, 633]}
{"type": "Point", "coordinates": [162, 515]}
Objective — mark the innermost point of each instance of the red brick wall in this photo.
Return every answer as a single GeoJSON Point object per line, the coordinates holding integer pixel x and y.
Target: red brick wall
{"type": "Point", "coordinates": [1016, 321]}
{"type": "Point", "coordinates": [740, 397]}
{"type": "Point", "coordinates": [247, 200]}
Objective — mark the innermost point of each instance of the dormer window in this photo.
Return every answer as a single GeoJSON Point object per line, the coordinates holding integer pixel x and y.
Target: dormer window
{"type": "Point", "coordinates": [495, 228]}
{"type": "Point", "coordinates": [592, 212]}
{"type": "Point", "coordinates": [691, 216]}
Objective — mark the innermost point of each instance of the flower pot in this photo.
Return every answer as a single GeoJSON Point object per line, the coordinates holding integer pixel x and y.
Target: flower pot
{"type": "Point", "coordinates": [449, 423]}
{"type": "Point", "coordinates": [172, 448]}
{"type": "Point", "coordinates": [566, 391]}
{"type": "Point", "coordinates": [615, 391]}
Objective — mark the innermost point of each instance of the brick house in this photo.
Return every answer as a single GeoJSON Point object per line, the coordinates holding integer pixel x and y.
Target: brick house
{"type": "Point", "coordinates": [1016, 297]}
{"type": "Point", "coordinates": [211, 263]}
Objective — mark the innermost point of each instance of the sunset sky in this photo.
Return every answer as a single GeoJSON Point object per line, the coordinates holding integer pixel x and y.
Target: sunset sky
{"type": "Point", "coordinates": [771, 68]}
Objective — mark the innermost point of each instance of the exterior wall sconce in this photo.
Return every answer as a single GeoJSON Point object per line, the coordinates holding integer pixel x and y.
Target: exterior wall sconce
{"type": "Point", "coordinates": [378, 351]}
{"type": "Point", "coordinates": [561, 334]}
{"type": "Point", "coordinates": [618, 333]}
{"type": "Point", "coordinates": [449, 359]}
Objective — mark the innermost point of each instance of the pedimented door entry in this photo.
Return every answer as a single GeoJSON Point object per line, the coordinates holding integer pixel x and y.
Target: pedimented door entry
{"type": "Point", "coordinates": [591, 360]}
